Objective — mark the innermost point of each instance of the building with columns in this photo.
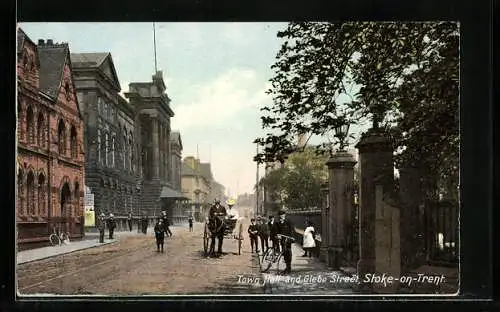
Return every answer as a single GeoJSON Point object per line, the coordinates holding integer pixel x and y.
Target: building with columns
{"type": "Point", "coordinates": [153, 132]}
{"type": "Point", "coordinates": [110, 136]}
{"type": "Point", "coordinates": [50, 153]}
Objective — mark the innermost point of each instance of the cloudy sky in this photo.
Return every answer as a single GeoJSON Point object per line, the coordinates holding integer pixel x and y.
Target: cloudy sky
{"type": "Point", "coordinates": [216, 75]}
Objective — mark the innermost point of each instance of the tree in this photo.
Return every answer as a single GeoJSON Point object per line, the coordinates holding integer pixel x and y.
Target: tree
{"type": "Point", "coordinates": [403, 76]}
{"type": "Point", "coordinates": [298, 183]}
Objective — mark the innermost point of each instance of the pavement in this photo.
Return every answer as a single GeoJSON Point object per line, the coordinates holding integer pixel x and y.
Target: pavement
{"type": "Point", "coordinates": [309, 276]}
{"type": "Point", "coordinates": [91, 240]}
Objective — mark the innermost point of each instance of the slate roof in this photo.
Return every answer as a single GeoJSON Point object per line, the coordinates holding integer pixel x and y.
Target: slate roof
{"type": "Point", "coordinates": [52, 60]}
{"type": "Point", "coordinates": [187, 171]}
{"type": "Point", "coordinates": [88, 59]}
{"type": "Point", "coordinates": [206, 171]}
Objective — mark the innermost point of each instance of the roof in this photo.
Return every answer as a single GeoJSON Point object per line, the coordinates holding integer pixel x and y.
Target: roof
{"type": "Point", "coordinates": [175, 136]}
{"type": "Point", "coordinates": [167, 192]}
{"type": "Point", "coordinates": [96, 60]}
{"type": "Point", "coordinates": [206, 171]}
{"type": "Point", "coordinates": [21, 36]}
{"type": "Point", "coordinates": [52, 60]}
{"type": "Point", "coordinates": [187, 171]}
{"type": "Point", "coordinates": [88, 59]}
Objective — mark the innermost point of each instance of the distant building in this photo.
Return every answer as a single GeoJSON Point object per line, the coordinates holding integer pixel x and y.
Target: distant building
{"type": "Point", "coordinates": [50, 154]}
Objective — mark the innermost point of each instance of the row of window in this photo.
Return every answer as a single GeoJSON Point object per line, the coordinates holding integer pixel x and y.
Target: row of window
{"type": "Point", "coordinates": [33, 196]}
{"type": "Point", "coordinates": [107, 149]}
{"type": "Point", "coordinates": [37, 129]}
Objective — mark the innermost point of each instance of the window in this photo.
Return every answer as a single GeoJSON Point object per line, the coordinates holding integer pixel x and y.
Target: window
{"type": "Point", "coordinates": [113, 147]}
{"type": "Point", "coordinates": [30, 129]}
{"type": "Point", "coordinates": [61, 133]}
{"type": "Point", "coordinates": [20, 191]}
{"type": "Point", "coordinates": [99, 146]}
{"type": "Point", "coordinates": [30, 183]}
{"type": "Point", "coordinates": [124, 155]}
{"type": "Point", "coordinates": [106, 149]}
{"type": "Point", "coordinates": [41, 194]}
{"type": "Point", "coordinates": [74, 145]}
{"type": "Point", "coordinates": [130, 154]}
{"type": "Point", "coordinates": [40, 130]}
{"type": "Point", "coordinates": [67, 90]}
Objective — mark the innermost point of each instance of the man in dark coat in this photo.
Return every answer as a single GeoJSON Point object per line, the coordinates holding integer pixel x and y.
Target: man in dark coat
{"type": "Point", "coordinates": [272, 233]}
{"type": "Point", "coordinates": [285, 227]}
{"type": "Point", "coordinates": [263, 234]}
{"type": "Point", "coordinates": [159, 235]}
{"type": "Point", "coordinates": [144, 224]}
{"type": "Point", "coordinates": [111, 225]}
{"type": "Point", "coordinates": [166, 223]}
{"type": "Point", "coordinates": [129, 222]}
{"type": "Point", "coordinates": [253, 232]}
{"type": "Point", "coordinates": [101, 226]}
{"type": "Point", "coordinates": [190, 221]}
{"type": "Point", "coordinates": [217, 210]}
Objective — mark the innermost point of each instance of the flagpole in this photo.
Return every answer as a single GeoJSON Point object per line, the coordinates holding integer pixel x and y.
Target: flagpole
{"type": "Point", "coordinates": [154, 43]}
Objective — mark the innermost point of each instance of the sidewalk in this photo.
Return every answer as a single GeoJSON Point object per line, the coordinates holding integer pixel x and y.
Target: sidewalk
{"type": "Point", "coordinates": [309, 277]}
{"type": "Point", "coordinates": [90, 240]}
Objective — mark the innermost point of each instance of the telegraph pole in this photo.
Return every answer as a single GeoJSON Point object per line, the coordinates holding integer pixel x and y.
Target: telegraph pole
{"type": "Point", "coordinates": [257, 185]}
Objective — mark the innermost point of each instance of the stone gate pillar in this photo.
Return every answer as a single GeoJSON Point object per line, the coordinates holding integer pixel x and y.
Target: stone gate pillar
{"type": "Point", "coordinates": [325, 212]}
{"type": "Point", "coordinates": [340, 176]}
{"type": "Point", "coordinates": [376, 167]}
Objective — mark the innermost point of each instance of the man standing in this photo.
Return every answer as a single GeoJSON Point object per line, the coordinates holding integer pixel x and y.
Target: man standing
{"type": "Point", "coordinates": [216, 211]}
{"type": "Point", "coordinates": [285, 227]}
{"type": "Point", "coordinates": [111, 225]}
{"type": "Point", "coordinates": [166, 223]}
{"type": "Point", "coordinates": [129, 221]}
{"type": "Point", "coordinates": [272, 233]}
{"type": "Point", "coordinates": [253, 232]}
{"type": "Point", "coordinates": [263, 234]}
{"type": "Point", "coordinates": [190, 221]}
{"type": "Point", "coordinates": [144, 224]}
{"type": "Point", "coordinates": [101, 226]}
{"type": "Point", "coordinates": [159, 235]}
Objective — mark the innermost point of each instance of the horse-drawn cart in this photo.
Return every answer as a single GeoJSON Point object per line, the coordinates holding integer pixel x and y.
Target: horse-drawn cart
{"type": "Point", "coordinates": [228, 225]}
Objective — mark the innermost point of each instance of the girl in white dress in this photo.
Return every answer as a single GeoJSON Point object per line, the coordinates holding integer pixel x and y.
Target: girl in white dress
{"type": "Point", "coordinates": [308, 242]}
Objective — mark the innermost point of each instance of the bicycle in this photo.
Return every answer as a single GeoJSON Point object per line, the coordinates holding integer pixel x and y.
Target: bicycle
{"type": "Point", "coordinates": [274, 255]}
{"type": "Point", "coordinates": [57, 238]}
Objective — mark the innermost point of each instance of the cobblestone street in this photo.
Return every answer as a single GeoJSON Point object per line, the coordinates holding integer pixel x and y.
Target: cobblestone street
{"type": "Point", "coordinates": [131, 266]}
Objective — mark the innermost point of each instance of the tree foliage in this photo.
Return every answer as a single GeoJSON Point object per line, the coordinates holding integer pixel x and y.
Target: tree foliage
{"type": "Point", "coordinates": [298, 183]}
{"type": "Point", "coordinates": [402, 76]}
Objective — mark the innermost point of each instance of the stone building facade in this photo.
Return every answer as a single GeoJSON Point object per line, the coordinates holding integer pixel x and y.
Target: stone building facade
{"type": "Point", "coordinates": [153, 132]}
{"type": "Point", "coordinates": [110, 136]}
{"type": "Point", "coordinates": [50, 153]}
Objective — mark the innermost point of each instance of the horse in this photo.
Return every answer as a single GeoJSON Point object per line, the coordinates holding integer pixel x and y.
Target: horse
{"type": "Point", "coordinates": [216, 226]}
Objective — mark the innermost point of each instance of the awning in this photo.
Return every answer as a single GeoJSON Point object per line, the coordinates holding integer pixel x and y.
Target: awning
{"type": "Point", "coordinates": [169, 193]}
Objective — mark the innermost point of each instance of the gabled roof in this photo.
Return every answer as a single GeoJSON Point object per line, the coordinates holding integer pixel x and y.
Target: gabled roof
{"type": "Point", "coordinates": [96, 60]}
{"type": "Point", "coordinates": [21, 35]}
{"type": "Point", "coordinates": [206, 171]}
{"type": "Point", "coordinates": [175, 136]}
{"type": "Point", "coordinates": [52, 60]}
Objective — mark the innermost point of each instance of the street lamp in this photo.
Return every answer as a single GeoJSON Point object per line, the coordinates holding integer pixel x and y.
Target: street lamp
{"type": "Point", "coordinates": [341, 132]}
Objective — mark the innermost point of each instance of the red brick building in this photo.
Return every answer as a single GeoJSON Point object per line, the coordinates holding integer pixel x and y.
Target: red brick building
{"type": "Point", "coordinates": [50, 154]}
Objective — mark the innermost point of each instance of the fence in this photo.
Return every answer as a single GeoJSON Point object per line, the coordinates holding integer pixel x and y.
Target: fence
{"type": "Point", "coordinates": [441, 232]}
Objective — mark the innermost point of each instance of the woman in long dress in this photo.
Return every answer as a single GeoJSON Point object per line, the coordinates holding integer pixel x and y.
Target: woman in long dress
{"type": "Point", "coordinates": [308, 242]}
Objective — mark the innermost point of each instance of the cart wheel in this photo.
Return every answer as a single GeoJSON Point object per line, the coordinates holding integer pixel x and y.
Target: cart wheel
{"type": "Point", "coordinates": [240, 238]}
{"type": "Point", "coordinates": [206, 238]}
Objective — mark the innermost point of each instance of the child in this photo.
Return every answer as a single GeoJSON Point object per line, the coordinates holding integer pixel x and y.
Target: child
{"type": "Point", "coordinates": [160, 235]}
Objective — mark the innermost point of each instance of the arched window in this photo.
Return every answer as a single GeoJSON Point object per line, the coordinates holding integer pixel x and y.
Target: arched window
{"type": "Point", "coordinates": [74, 144]}
{"type": "Point", "coordinates": [61, 137]}
{"type": "Point", "coordinates": [20, 191]}
{"type": "Point", "coordinates": [124, 155]}
{"type": "Point", "coordinates": [25, 60]}
{"type": "Point", "coordinates": [99, 160]}
{"type": "Point", "coordinates": [129, 154]}
{"type": "Point", "coordinates": [40, 125]}
{"type": "Point", "coordinates": [41, 194]}
{"type": "Point", "coordinates": [30, 127]}
{"type": "Point", "coordinates": [30, 186]}
{"type": "Point", "coordinates": [132, 158]}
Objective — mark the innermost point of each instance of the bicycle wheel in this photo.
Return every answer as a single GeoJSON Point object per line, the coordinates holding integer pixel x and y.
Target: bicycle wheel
{"type": "Point", "coordinates": [54, 240]}
{"type": "Point", "coordinates": [267, 259]}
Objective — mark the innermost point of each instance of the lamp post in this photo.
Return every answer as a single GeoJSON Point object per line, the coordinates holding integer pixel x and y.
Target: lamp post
{"type": "Point", "coordinates": [340, 176]}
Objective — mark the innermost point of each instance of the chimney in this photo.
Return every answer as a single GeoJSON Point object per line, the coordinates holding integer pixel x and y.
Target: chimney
{"type": "Point", "coordinates": [50, 42]}
{"type": "Point", "coordinates": [41, 42]}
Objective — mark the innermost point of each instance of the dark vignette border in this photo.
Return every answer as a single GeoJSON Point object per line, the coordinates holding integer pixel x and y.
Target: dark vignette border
{"type": "Point", "coordinates": [476, 118]}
